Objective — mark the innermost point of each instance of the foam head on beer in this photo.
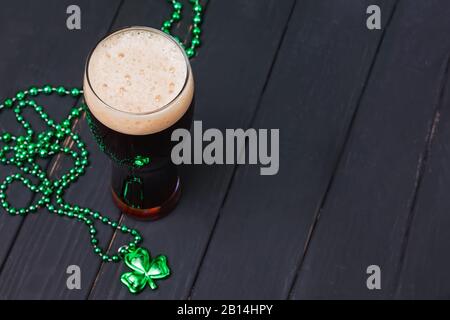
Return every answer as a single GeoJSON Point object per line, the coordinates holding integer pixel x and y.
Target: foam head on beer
{"type": "Point", "coordinates": [138, 81]}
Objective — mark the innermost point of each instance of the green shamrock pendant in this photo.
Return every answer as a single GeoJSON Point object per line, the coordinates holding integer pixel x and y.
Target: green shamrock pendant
{"type": "Point", "coordinates": [145, 270]}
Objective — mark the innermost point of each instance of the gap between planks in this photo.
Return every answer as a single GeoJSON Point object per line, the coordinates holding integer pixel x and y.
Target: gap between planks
{"type": "Point", "coordinates": [421, 167]}
{"type": "Point", "coordinates": [178, 27]}
{"type": "Point", "coordinates": [316, 218]}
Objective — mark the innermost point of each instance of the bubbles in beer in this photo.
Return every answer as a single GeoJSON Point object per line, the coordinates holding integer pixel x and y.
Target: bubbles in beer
{"type": "Point", "coordinates": [138, 69]}
{"type": "Point", "coordinates": [139, 72]}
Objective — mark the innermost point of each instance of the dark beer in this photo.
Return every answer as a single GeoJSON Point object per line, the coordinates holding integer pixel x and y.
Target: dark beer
{"type": "Point", "coordinates": [138, 89]}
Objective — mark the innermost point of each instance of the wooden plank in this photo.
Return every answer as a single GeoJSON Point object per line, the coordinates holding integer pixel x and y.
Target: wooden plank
{"type": "Point", "coordinates": [42, 50]}
{"type": "Point", "coordinates": [20, 68]}
{"type": "Point", "coordinates": [311, 97]}
{"type": "Point", "coordinates": [90, 190]}
{"type": "Point", "coordinates": [240, 42]}
{"type": "Point", "coordinates": [365, 217]}
{"type": "Point", "coordinates": [425, 264]}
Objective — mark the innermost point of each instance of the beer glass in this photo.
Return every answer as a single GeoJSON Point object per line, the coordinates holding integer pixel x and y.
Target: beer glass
{"type": "Point", "coordinates": [138, 88]}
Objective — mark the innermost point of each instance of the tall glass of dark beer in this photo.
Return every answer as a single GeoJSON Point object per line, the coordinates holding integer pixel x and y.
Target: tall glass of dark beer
{"type": "Point", "coordinates": [139, 88]}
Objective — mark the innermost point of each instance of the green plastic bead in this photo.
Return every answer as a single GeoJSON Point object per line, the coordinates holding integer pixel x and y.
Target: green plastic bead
{"type": "Point", "coordinates": [196, 31]}
{"type": "Point", "coordinates": [197, 19]}
{"type": "Point", "coordinates": [75, 92]}
{"type": "Point", "coordinates": [177, 6]}
{"type": "Point", "coordinates": [97, 250]}
{"type": "Point", "coordinates": [20, 95]}
{"type": "Point", "coordinates": [75, 112]}
{"type": "Point", "coordinates": [33, 91]}
{"type": "Point", "coordinates": [66, 123]}
{"type": "Point", "coordinates": [6, 137]}
{"type": "Point", "coordinates": [190, 52]}
{"type": "Point", "coordinates": [198, 8]}
{"type": "Point", "coordinates": [8, 103]}
{"type": "Point", "coordinates": [196, 42]}
{"type": "Point", "coordinates": [47, 89]}
{"type": "Point", "coordinates": [61, 91]}
{"type": "Point", "coordinates": [176, 16]}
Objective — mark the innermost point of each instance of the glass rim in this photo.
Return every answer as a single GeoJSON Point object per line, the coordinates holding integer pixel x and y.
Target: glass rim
{"type": "Point", "coordinates": [146, 29]}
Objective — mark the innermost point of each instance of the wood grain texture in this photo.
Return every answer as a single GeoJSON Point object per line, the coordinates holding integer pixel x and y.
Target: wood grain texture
{"type": "Point", "coordinates": [365, 217]}
{"type": "Point", "coordinates": [240, 43]}
{"type": "Point", "coordinates": [23, 62]}
{"type": "Point", "coordinates": [311, 97]}
{"type": "Point", "coordinates": [424, 269]}
{"type": "Point", "coordinates": [363, 117]}
{"type": "Point", "coordinates": [42, 50]}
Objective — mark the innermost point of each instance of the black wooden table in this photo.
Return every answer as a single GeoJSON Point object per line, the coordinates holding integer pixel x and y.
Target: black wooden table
{"type": "Point", "coordinates": [364, 118]}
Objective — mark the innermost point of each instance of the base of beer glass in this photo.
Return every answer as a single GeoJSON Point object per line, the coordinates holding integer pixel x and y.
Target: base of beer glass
{"type": "Point", "coordinates": [150, 213]}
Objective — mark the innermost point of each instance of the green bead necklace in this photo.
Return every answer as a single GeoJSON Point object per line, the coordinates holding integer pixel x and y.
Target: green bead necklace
{"type": "Point", "coordinates": [23, 151]}
{"type": "Point", "coordinates": [196, 31]}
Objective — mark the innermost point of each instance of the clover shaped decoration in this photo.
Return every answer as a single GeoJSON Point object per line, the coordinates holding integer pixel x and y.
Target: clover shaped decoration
{"type": "Point", "coordinates": [145, 270]}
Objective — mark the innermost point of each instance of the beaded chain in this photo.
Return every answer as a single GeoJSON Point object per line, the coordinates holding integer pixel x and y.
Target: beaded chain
{"type": "Point", "coordinates": [196, 22]}
{"type": "Point", "coordinates": [23, 152]}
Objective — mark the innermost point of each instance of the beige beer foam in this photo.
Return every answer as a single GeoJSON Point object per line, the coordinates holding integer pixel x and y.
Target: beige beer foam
{"type": "Point", "coordinates": [135, 82]}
